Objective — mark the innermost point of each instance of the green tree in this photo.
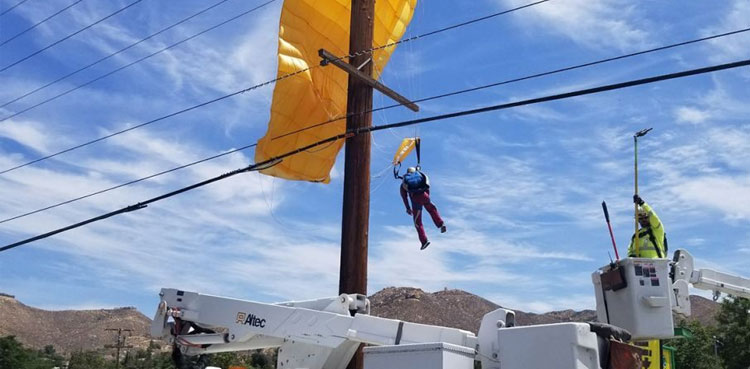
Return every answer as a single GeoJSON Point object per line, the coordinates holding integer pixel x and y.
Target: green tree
{"type": "Point", "coordinates": [227, 359]}
{"type": "Point", "coordinates": [149, 358]}
{"type": "Point", "coordinates": [12, 354]}
{"type": "Point", "coordinates": [698, 351]}
{"type": "Point", "coordinates": [50, 358]}
{"type": "Point", "coordinates": [734, 332]}
{"type": "Point", "coordinates": [89, 360]}
{"type": "Point", "coordinates": [261, 360]}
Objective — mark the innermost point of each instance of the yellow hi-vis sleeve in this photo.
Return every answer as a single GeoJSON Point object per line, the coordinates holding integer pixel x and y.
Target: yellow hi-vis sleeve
{"type": "Point", "coordinates": [319, 94]}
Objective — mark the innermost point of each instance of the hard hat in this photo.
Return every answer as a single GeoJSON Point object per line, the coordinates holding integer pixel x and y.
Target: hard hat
{"type": "Point", "coordinates": [642, 213]}
{"type": "Point", "coordinates": [411, 170]}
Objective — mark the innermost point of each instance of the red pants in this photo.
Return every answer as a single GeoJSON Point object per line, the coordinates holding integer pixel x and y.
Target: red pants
{"type": "Point", "coordinates": [422, 199]}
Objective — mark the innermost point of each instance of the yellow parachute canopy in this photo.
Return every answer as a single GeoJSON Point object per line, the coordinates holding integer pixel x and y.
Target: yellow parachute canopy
{"type": "Point", "coordinates": [407, 146]}
{"type": "Point", "coordinates": [319, 94]}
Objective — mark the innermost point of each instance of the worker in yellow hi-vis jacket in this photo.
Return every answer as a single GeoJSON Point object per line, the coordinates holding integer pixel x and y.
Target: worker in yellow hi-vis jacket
{"type": "Point", "coordinates": [651, 236]}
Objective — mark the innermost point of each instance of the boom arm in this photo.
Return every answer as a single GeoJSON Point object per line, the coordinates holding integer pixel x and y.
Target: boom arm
{"type": "Point", "coordinates": [708, 279]}
{"type": "Point", "coordinates": [311, 334]}
{"type": "Point", "coordinates": [322, 334]}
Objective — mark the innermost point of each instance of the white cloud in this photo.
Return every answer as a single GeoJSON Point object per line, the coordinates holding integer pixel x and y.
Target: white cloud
{"type": "Point", "coordinates": [208, 64]}
{"type": "Point", "coordinates": [594, 24]}
{"type": "Point", "coordinates": [186, 231]}
{"type": "Point", "coordinates": [695, 242]}
{"type": "Point", "coordinates": [540, 306]}
{"type": "Point", "coordinates": [730, 196]}
{"type": "Point", "coordinates": [706, 171]}
{"type": "Point", "coordinates": [84, 305]}
{"type": "Point", "coordinates": [735, 46]}
{"type": "Point", "coordinates": [691, 115]}
{"type": "Point", "coordinates": [31, 134]}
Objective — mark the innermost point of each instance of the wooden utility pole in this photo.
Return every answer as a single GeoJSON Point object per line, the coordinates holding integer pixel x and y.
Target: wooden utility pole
{"type": "Point", "coordinates": [120, 343]}
{"type": "Point", "coordinates": [355, 220]}
{"type": "Point", "coordinates": [356, 208]}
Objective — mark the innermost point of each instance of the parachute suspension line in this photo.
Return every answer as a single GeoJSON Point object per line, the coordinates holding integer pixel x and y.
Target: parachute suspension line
{"type": "Point", "coordinates": [380, 115]}
{"type": "Point", "coordinates": [396, 169]}
{"type": "Point", "coordinates": [381, 178]}
{"type": "Point", "coordinates": [265, 199]}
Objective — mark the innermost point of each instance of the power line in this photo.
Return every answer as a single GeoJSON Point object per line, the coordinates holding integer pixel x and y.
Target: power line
{"type": "Point", "coordinates": [441, 30]}
{"type": "Point", "coordinates": [128, 183]}
{"type": "Point", "coordinates": [222, 97]}
{"type": "Point", "coordinates": [528, 77]}
{"type": "Point", "coordinates": [27, 57]}
{"type": "Point", "coordinates": [12, 7]}
{"type": "Point", "coordinates": [362, 130]}
{"type": "Point", "coordinates": [116, 53]}
{"type": "Point", "coordinates": [379, 109]}
{"type": "Point", "coordinates": [38, 23]}
{"type": "Point", "coordinates": [156, 120]}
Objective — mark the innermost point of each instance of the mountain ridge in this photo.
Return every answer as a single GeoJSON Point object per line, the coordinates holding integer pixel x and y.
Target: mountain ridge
{"type": "Point", "coordinates": [72, 330]}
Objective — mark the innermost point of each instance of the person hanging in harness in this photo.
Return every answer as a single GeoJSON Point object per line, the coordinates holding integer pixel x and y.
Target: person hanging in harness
{"type": "Point", "coordinates": [652, 239]}
{"type": "Point", "coordinates": [417, 185]}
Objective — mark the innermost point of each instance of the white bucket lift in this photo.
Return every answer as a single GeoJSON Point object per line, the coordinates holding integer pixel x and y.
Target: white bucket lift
{"type": "Point", "coordinates": [640, 295]}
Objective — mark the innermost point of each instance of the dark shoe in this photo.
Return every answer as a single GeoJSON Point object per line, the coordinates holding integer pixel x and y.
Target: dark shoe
{"type": "Point", "coordinates": [424, 245]}
{"type": "Point", "coordinates": [442, 228]}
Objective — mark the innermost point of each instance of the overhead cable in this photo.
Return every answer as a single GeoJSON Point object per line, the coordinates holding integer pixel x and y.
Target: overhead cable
{"type": "Point", "coordinates": [154, 120]}
{"type": "Point", "coordinates": [441, 30]}
{"type": "Point", "coordinates": [128, 183]}
{"type": "Point", "coordinates": [363, 130]}
{"type": "Point", "coordinates": [519, 79]}
{"type": "Point", "coordinates": [27, 57]}
{"type": "Point", "coordinates": [216, 99]}
{"type": "Point", "coordinates": [12, 7]}
{"type": "Point", "coordinates": [38, 23]}
{"type": "Point", "coordinates": [127, 65]}
{"type": "Point", "coordinates": [379, 109]}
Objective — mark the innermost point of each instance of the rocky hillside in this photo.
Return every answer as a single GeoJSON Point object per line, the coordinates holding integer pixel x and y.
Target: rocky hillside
{"type": "Point", "coordinates": [463, 310]}
{"type": "Point", "coordinates": [455, 308]}
{"type": "Point", "coordinates": [703, 310]}
{"type": "Point", "coordinates": [70, 330]}
{"type": "Point", "coordinates": [85, 329]}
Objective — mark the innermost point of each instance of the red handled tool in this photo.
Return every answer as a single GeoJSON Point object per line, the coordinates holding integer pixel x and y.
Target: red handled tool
{"type": "Point", "coordinates": [612, 236]}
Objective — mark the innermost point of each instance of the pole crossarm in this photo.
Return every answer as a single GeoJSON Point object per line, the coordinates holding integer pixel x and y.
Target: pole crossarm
{"type": "Point", "coordinates": [329, 58]}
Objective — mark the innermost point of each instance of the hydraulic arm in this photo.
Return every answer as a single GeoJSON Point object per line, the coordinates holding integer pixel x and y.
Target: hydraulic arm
{"type": "Point", "coordinates": [311, 334]}
{"type": "Point", "coordinates": [323, 334]}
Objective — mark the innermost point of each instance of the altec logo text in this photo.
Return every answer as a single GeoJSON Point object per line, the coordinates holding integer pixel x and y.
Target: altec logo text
{"type": "Point", "coordinates": [251, 320]}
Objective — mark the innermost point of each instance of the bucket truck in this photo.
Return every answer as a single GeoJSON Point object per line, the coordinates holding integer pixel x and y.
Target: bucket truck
{"type": "Point", "coordinates": [635, 299]}
{"type": "Point", "coordinates": [640, 294]}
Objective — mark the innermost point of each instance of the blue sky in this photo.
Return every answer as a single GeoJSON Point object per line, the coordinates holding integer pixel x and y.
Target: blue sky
{"type": "Point", "coordinates": [520, 189]}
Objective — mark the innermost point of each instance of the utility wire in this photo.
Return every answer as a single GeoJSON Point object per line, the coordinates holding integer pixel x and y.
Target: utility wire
{"type": "Point", "coordinates": [222, 97]}
{"type": "Point", "coordinates": [40, 22]}
{"type": "Point", "coordinates": [379, 109]}
{"type": "Point", "coordinates": [519, 79]}
{"type": "Point", "coordinates": [12, 7]}
{"type": "Point", "coordinates": [441, 30]}
{"type": "Point", "coordinates": [156, 120]}
{"type": "Point", "coordinates": [129, 183]}
{"type": "Point", "coordinates": [362, 130]}
{"type": "Point", "coordinates": [116, 53]}
{"type": "Point", "coordinates": [27, 57]}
